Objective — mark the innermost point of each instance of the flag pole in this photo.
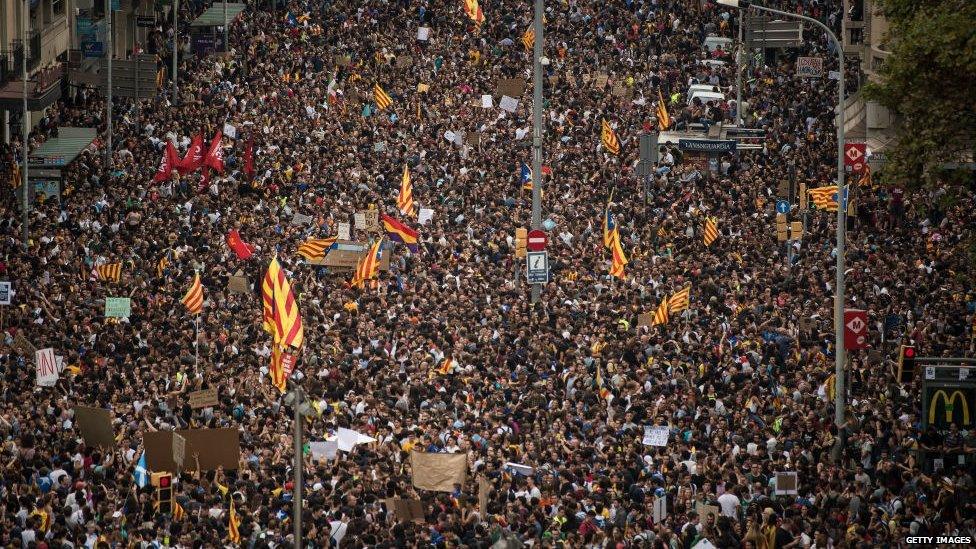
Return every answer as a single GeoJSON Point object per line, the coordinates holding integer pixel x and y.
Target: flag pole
{"type": "Point", "coordinates": [196, 343]}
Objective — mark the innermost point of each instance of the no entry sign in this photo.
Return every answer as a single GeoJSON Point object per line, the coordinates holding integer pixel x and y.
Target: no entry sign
{"type": "Point", "coordinates": [536, 241]}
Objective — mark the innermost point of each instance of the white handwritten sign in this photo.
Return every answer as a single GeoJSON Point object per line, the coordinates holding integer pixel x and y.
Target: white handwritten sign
{"type": "Point", "coordinates": [47, 367]}
{"type": "Point", "coordinates": [656, 436]}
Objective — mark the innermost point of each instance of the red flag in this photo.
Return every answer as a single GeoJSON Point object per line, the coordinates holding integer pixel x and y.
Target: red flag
{"type": "Point", "coordinates": [249, 158]}
{"type": "Point", "coordinates": [215, 154]}
{"type": "Point", "coordinates": [240, 248]}
{"type": "Point", "coordinates": [194, 156]}
{"type": "Point", "coordinates": [167, 164]}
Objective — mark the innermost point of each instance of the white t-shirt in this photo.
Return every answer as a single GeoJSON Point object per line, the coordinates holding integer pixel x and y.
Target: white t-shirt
{"type": "Point", "coordinates": [730, 504]}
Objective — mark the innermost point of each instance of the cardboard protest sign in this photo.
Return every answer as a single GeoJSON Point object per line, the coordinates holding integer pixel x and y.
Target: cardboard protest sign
{"type": "Point", "coordinates": [372, 220]}
{"type": "Point", "coordinates": [786, 483]}
{"type": "Point", "coordinates": [301, 219]}
{"type": "Point", "coordinates": [656, 436]}
{"type": "Point", "coordinates": [238, 283]}
{"type": "Point", "coordinates": [179, 450]}
{"type": "Point", "coordinates": [438, 472]}
{"type": "Point", "coordinates": [118, 307]}
{"type": "Point", "coordinates": [343, 231]}
{"type": "Point", "coordinates": [47, 367]}
{"type": "Point", "coordinates": [704, 510]}
{"type": "Point", "coordinates": [425, 215]}
{"type": "Point", "coordinates": [22, 345]}
{"type": "Point", "coordinates": [644, 319]}
{"type": "Point", "coordinates": [512, 87]}
{"type": "Point", "coordinates": [95, 425]}
{"type": "Point", "coordinates": [405, 510]}
{"type": "Point", "coordinates": [600, 81]}
{"type": "Point", "coordinates": [204, 398]}
{"type": "Point", "coordinates": [421, 88]}
{"type": "Point", "coordinates": [484, 491]}
{"type": "Point", "coordinates": [216, 447]}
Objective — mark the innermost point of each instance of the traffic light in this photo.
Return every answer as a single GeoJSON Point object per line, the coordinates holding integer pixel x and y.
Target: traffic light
{"type": "Point", "coordinates": [163, 482]}
{"type": "Point", "coordinates": [521, 238]}
{"type": "Point", "coordinates": [906, 364]}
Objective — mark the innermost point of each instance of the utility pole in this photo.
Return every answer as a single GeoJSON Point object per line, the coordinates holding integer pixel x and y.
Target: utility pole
{"type": "Point", "coordinates": [739, 58]}
{"type": "Point", "coordinates": [299, 464]}
{"type": "Point", "coordinates": [108, 107]}
{"type": "Point", "coordinates": [537, 131]}
{"type": "Point", "coordinates": [25, 125]}
{"type": "Point", "coordinates": [176, 40]}
{"type": "Point", "coordinates": [226, 43]}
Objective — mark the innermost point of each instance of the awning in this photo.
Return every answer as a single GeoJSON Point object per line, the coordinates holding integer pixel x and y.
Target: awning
{"type": "Point", "coordinates": [214, 16]}
{"type": "Point", "coordinates": [62, 150]}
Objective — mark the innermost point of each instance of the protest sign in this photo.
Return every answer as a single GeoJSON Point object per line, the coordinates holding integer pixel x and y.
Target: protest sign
{"type": "Point", "coordinates": [22, 345]}
{"type": "Point", "coordinates": [343, 231]}
{"type": "Point", "coordinates": [215, 447]}
{"type": "Point", "coordinates": [95, 425]}
{"type": "Point", "coordinates": [601, 81]}
{"type": "Point", "coordinates": [423, 34]}
{"type": "Point", "coordinates": [325, 449]}
{"type": "Point", "coordinates": [230, 131]}
{"type": "Point", "coordinates": [508, 104]}
{"type": "Point", "coordinates": [237, 283]}
{"type": "Point", "coordinates": [301, 219]}
{"type": "Point", "coordinates": [47, 367]}
{"type": "Point", "coordinates": [704, 510]}
{"type": "Point", "coordinates": [660, 509]}
{"type": "Point", "coordinates": [372, 220]}
{"type": "Point", "coordinates": [359, 220]}
{"type": "Point", "coordinates": [512, 87]}
{"type": "Point", "coordinates": [348, 439]}
{"type": "Point", "coordinates": [118, 307]}
{"type": "Point", "coordinates": [404, 61]}
{"type": "Point", "coordinates": [405, 510]}
{"type": "Point", "coordinates": [487, 101]}
{"type": "Point", "coordinates": [438, 472]}
{"type": "Point", "coordinates": [518, 469]}
{"type": "Point", "coordinates": [656, 436]}
{"type": "Point", "coordinates": [425, 215]}
{"type": "Point", "coordinates": [179, 450]}
{"type": "Point", "coordinates": [644, 319]}
{"type": "Point", "coordinates": [204, 398]}
{"type": "Point", "coordinates": [484, 491]}
{"type": "Point", "coordinates": [785, 483]}
{"type": "Point", "coordinates": [5, 292]}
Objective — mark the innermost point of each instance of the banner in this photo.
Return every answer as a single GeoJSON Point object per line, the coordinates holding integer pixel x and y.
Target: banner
{"type": "Point", "coordinates": [95, 425]}
{"type": "Point", "coordinates": [47, 367]}
{"type": "Point", "coordinates": [438, 472]}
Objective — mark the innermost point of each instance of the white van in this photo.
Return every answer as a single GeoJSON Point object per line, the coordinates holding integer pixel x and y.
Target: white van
{"type": "Point", "coordinates": [699, 88]}
{"type": "Point", "coordinates": [706, 96]}
{"type": "Point", "coordinates": [713, 43]}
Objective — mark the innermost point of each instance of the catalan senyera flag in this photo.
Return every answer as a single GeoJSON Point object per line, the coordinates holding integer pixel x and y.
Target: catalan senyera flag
{"type": "Point", "coordinates": [825, 198]}
{"type": "Point", "coordinates": [233, 525]}
{"type": "Point", "coordinates": [316, 248]}
{"type": "Point", "coordinates": [525, 175]}
{"type": "Point", "coordinates": [609, 138]}
{"type": "Point", "coordinates": [383, 100]}
{"type": "Point", "coordinates": [663, 118]}
{"type": "Point", "coordinates": [288, 319]}
{"type": "Point", "coordinates": [109, 272]}
{"type": "Point", "coordinates": [368, 266]}
{"type": "Point", "coordinates": [528, 38]}
{"type": "Point", "coordinates": [680, 300]}
{"type": "Point", "coordinates": [473, 11]}
{"type": "Point", "coordinates": [162, 264]}
{"type": "Point", "coordinates": [178, 512]}
{"type": "Point", "coordinates": [446, 367]}
{"type": "Point", "coordinates": [619, 258]}
{"type": "Point", "coordinates": [398, 232]}
{"type": "Point", "coordinates": [277, 371]}
{"type": "Point", "coordinates": [710, 232]}
{"type": "Point", "coordinates": [267, 299]}
{"type": "Point", "coordinates": [193, 299]}
{"type": "Point", "coordinates": [661, 314]}
{"type": "Point", "coordinates": [405, 199]}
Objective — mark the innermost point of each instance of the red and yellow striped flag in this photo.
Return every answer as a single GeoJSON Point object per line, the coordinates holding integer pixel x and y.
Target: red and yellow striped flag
{"type": "Point", "coordinates": [368, 266]}
{"type": "Point", "coordinates": [281, 316]}
{"type": "Point", "coordinates": [383, 100]}
{"type": "Point", "coordinates": [473, 11]}
{"type": "Point", "coordinates": [661, 314]}
{"type": "Point", "coordinates": [680, 300]}
{"type": "Point", "coordinates": [825, 198]}
{"type": "Point", "coordinates": [193, 299]}
{"type": "Point", "coordinates": [233, 525]}
{"type": "Point", "coordinates": [446, 367]}
{"type": "Point", "coordinates": [315, 248]}
{"type": "Point", "coordinates": [109, 271]}
{"type": "Point", "coordinates": [609, 138]}
{"type": "Point", "coordinates": [405, 199]}
{"type": "Point", "coordinates": [178, 512]}
{"type": "Point", "coordinates": [711, 230]}
{"type": "Point", "coordinates": [528, 38]}
{"type": "Point", "coordinates": [619, 258]}
{"type": "Point", "coordinates": [663, 118]}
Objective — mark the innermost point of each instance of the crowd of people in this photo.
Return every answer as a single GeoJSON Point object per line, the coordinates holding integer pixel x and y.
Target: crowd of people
{"type": "Point", "coordinates": [564, 387]}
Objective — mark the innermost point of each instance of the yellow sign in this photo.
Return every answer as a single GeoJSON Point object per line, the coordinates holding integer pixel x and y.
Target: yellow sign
{"type": "Point", "coordinates": [950, 407]}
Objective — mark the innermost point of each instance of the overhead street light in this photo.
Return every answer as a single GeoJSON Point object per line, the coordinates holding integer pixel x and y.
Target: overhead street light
{"type": "Point", "coordinates": [840, 356]}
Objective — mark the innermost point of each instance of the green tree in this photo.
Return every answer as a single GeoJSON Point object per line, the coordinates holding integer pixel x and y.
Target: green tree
{"type": "Point", "coordinates": [929, 82]}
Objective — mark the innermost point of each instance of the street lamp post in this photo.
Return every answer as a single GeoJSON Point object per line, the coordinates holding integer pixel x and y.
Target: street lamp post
{"type": "Point", "coordinates": [840, 356]}
{"type": "Point", "coordinates": [537, 130]}
{"type": "Point", "coordinates": [25, 128]}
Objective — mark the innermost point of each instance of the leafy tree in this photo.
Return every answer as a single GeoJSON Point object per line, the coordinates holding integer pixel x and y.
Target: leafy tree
{"type": "Point", "coordinates": [929, 82]}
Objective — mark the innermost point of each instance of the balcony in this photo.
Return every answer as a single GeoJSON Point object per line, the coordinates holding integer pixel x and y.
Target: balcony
{"type": "Point", "coordinates": [43, 87]}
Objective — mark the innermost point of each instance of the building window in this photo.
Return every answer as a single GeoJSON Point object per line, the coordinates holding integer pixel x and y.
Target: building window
{"type": "Point", "coordinates": [57, 7]}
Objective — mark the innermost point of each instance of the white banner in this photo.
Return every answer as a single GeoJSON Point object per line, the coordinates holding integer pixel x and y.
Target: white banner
{"type": "Point", "coordinates": [47, 367]}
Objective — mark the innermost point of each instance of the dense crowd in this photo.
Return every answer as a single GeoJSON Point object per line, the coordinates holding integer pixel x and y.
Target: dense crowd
{"type": "Point", "coordinates": [741, 377]}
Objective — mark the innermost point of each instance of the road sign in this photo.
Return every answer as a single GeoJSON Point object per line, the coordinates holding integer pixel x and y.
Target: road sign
{"type": "Point", "coordinates": [855, 329]}
{"type": "Point", "coordinates": [536, 241]}
{"type": "Point", "coordinates": [854, 156]}
{"type": "Point", "coordinates": [782, 207]}
{"type": "Point", "coordinates": [179, 449]}
{"type": "Point", "coordinates": [93, 49]}
{"type": "Point", "coordinates": [537, 267]}
{"type": "Point", "coordinates": [765, 32]}
{"type": "Point", "coordinates": [5, 293]}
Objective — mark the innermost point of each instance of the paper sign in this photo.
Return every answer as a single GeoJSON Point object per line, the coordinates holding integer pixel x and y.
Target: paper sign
{"type": "Point", "coordinates": [518, 468]}
{"type": "Point", "coordinates": [421, 88]}
{"type": "Point", "coordinates": [118, 307]}
{"type": "Point", "coordinates": [450, 136]}
{"type": "Point", "coordinates": [237, 283]}
{"type": "Point", "coordinates": [343, 231]}
{"type": "Point", "coordinates": [425, 215]}
{"type": "Point", "coordinates": [618, 90]}
{"type": "Point", "coordinates": [786, 483]}
{"type": "Point", "coordinates": [487, 102]}
{"type": "Point", "coordinates": [660, 509]}
{"type": "Point", "coordinates": [833, 75]}
{"type": "Point", "coordinates": [438, 472]}
{"type": "Point", "coordinates": [359, 220]}
{"type": "Point", "coordinates": [205, 398]}
{"type": "Point", "coordinates": [379, 146]}
{"type": "Point", "coordinates": [405, 510]}
{"type": "Point", "coordinates": [301, 219]}
{"type": "Point", "coordinates": [601, 81]}
{"type": "Point", "coordinates": [5, 286]}
{"type": "Point", "coordinates": [348, 439]}
{"type": "Point", "coordinates": [22, 345]}
{"type": "Point", "coordinates": [47, 367]}
{"type": "Point", "coordinates": [508, 104]}
{"type": "Point", "coordinates": [230, 131]}
{"type": "Point", "coordinates": [705, 510]}
{"type": "Point", "coordinates": [372, 220]}
{"type": "Point", "coordinates": [326, 449]}
{"type": "Point", "coordinates": [179, 450]}
{"type": "Point", "coordinates": [656, 436]}
{"type": "Point", "coordinates": [95, 425]}
{"type": "Point", "coordinates": [423, 34]}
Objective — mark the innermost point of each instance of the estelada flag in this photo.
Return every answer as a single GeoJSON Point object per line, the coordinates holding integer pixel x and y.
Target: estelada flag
{"type": "Point", "coordinates": [242, 249]}
{"type": "Point", "coordinates": [167, 164]}
{"type": "Point", "coordinates": [215, 154]}
{"type": "Point", "coordinates": [193, 159]}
